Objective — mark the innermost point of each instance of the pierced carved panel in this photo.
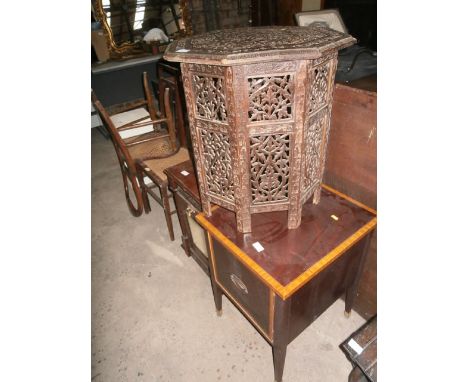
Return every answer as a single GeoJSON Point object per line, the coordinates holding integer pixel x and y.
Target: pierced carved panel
{"type": "Point", "coordinates": [210, 99]}
{"type": "Point", "coordinates": [269, 160]}
{"type": "Point", "coordinates": [314, 145]}
{"type": "Point", "coordinates": [270, 98]}
{"type": "Point", "coordinates": [217, 163]}
{"type": "Point", "coordinates": [318, 94]}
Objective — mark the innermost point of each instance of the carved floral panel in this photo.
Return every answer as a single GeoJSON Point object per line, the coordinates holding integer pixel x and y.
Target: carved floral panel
{"type": "Point", "coordinates": [217, 163]}
{"type": "Point", "coordinates": [270, 98]}
{"type": "Point", "coordinates": [210, 100]}
{"type": "Point", "coordinates": [313, 137]}
{"type": "Point", "coordinates": [269, 160]}
{"type": "Point", "coordinates": [318, 93]}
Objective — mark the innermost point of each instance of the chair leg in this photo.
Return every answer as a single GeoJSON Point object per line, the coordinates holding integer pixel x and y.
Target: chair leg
{"type": "Point", "coordinates": [146, 203]}
{"type": "Point", "coordinates": [144, 191]}
{"type": "Point", "coordinates": [167, 211]}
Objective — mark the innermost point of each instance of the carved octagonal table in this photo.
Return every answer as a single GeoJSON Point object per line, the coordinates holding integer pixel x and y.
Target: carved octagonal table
{"type": "Point", "coordinates": [259, 103]}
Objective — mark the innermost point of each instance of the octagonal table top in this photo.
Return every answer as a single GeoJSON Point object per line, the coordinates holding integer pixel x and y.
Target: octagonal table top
{"type": "Point", "coordinates": [257, 44]}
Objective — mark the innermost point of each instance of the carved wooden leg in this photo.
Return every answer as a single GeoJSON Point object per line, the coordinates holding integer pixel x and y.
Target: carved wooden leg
{"type": "Point", "coordinates": [280, 336]}
{"type": "Point", "coordinates": [294, 217]}
{"type": "Point", "coordinates": [316, 199]}
{"type": "Point", "coordinates": [244, 222]}
{"type": "Point", "coordinates": [351, 290]}
{"type": "Point", "coordinates": [167, 211]}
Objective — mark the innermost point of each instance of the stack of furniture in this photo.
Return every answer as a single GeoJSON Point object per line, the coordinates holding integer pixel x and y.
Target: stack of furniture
{"type": "Point", "coordinates": [259, 105]}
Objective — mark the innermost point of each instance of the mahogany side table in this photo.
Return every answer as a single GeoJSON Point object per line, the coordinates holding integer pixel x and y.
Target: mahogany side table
{"type": "Point", "coordinates": [282, 280]}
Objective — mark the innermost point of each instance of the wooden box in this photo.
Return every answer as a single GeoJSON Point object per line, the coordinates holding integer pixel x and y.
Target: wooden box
{"type": "Point", "coordinates": [259, 104]}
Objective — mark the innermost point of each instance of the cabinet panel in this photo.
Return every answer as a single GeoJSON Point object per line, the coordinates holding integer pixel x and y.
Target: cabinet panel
{"type": "Point", "coordinates": [245, 288]}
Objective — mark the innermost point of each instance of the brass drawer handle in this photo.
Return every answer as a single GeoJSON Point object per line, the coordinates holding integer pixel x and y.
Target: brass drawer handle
{"type": "Point", "coordinates": [239, 283]}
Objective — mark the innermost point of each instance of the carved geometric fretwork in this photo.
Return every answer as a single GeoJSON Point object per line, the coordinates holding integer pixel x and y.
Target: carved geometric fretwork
{"type": "Point", "coordinates": [259, 103]}
{"type": "Point", "coordinates": [269, 163]}
{"type": "Point", "coordinates": [314, 140]}
{"type": "Point", "coordinates": [217, 164]}
{"type": "Point", "coordinates": [270, 98]}
{"type": "Point", "coordinates": [318, 92]}
{"type": "Point", "coordinates": [210, 100]}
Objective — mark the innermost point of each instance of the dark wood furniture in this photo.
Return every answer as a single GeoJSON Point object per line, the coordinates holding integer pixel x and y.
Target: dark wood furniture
{"type": "Point", "coordinates": [144, 157]}
{"type": "Point", "coordinates": [352, 167]}
{"type": "Point", "coordinates": [298, 274]}
{"type": "Point", "coordinates": [183, 184]}
{"type": "Point", "coordinates": [259, 105]}
{"type": "Point", "coordinates": [169, 76]}
{"type": "Point", "coordinates": [361, 349]}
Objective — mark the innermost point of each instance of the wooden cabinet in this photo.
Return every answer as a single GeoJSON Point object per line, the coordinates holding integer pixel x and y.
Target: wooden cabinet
{"type": "Point", "coordinates": [282, 280]}
{"type": "Point", "coordinates": [183, 184]}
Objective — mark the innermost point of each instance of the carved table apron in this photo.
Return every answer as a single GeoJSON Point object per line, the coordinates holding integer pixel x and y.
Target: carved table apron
{"type": "Point", "coordinates": [298, 274]}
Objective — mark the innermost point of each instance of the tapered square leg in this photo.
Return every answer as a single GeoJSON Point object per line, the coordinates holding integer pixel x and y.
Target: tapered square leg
{"type": "Point", "coordinates": [280, 335]}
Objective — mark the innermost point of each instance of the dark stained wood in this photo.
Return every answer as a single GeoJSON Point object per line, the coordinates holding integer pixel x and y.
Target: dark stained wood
{"type": "Point", "coordinates": [188, 183]}
{"type": "Point", "coordinates": [352, 168]}
{"type": "Point", "coordinates": [368, 83]}
{"type": "Point", "coordinates": [281, 322]}
{"type": "Point", "coordinates": [366, 361]}
{"type": "Point", "coordinates": [187, 200]}
{"type": "Point", "coordinates": [314, 298]}
{"type": "Point", "coordinates": [288, 253]}
{"type": "Point", "coordinates": [244, 287]}
{"type": "Point", "coordinates": [352, 152]}
{"type": "Point", "coordinates": [286, 11]}
{"type": "Point", "coordinates": [250, 279]}
{"type": "Point", "coordinates": [169, 77]}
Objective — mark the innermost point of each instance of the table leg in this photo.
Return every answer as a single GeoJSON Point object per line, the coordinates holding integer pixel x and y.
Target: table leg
{"type": "Point", "coordinates": [351, 290]}
{"type": "Point", "coordinates": [280, 335]}
{"type": "Point", "coordinates": [217, 293]}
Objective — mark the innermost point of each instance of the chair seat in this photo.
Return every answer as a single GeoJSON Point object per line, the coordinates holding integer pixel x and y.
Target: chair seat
{"type": "Point", "coordinates": [153, 148]}
{"type": "Point", "coordinates": [159, 165]}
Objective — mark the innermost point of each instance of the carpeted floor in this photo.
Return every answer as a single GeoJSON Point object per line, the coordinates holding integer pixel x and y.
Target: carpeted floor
{"type": "Point", "coordinates": [153, 315]}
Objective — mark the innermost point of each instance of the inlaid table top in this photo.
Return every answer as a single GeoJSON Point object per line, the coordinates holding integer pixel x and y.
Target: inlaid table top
{"type": "Point", "coordinates": [291, 257]}
{"type": "Point", "coordinates": [257, 44]}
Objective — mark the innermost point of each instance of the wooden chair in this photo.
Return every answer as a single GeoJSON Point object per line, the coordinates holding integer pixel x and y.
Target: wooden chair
{"type": "Point", "coordinates": [143, 156]}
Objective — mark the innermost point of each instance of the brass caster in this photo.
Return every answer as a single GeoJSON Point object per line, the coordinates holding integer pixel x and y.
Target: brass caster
{"type": "Point", "coordinates": [219, 313]}
{"type": "Point", "coordinates": [347, 314]}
